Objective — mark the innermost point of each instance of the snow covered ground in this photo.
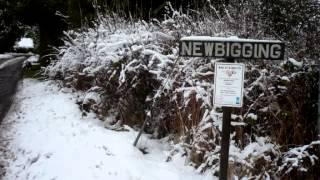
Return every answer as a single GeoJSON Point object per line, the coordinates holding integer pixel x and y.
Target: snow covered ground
{"type": "Point", "coordinates": [50, 140]}
{"type": "Point", "coordinates": [5, 56]}
{"type": "Point", "coordinates": [25, 43]}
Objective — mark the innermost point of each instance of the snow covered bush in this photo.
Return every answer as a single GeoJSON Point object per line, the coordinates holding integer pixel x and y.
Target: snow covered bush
{"type": "Point", "coordinates": [131, 69]}
{"type": "Point", "coordinates": [301, 162]}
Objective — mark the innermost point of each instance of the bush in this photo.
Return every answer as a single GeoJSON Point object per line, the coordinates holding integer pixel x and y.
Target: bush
{"type": "Point", "coordinates": [132, 70]}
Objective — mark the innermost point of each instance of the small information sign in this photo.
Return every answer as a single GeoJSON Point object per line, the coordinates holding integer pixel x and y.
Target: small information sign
{"type": "Point", "coordinates": [229, 84]}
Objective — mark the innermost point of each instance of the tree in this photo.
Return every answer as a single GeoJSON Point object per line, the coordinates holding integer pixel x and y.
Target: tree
{"type": "Point", "coordinates": [47, 15]}
{"type": "Point", "coordinates": [9, 25]}
{"type": "Point", "coordinates": [297, 21]}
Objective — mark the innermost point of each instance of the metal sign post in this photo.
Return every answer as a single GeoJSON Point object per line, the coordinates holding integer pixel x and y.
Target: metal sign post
{"type": "Point", "coordinates": [229, 76]}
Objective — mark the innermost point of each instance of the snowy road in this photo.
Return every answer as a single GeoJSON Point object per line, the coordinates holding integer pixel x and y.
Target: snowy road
{"type": "Point", "coordinates": [46, 138]}
{"type": "Point", "coordinates": [10, 73]}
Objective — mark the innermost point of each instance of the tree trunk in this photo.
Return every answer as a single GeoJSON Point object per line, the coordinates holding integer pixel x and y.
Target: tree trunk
{"type": "Point", "coordinates": [44, 44]}
{"type": "Point", "coordinates": [318, 123]}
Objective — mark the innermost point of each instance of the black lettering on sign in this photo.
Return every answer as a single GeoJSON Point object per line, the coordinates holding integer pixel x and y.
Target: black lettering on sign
{"type": "Point", "coordinates": [245, 49]}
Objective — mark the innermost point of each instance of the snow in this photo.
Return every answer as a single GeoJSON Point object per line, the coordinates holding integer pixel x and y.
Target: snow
{"type": "Point", "coordinates": [231, 38]}
{"type": "Point", "coordinates": [5, 56]}
{"type": "Point", "coordinates": [254, 150]}
{"type": "Point", "coordinates": [295, 157]}
{"type": "Point", "coordinates": [92, 96]}
{"type": "Point", "coordinates": [252, 116]}
{"type": "Point", "coordinates": [285, 78]}
{"type": "Point", "coordinates": [51, 140]}
{"type": "Point", "coordinates": [25, 43]}
{"type": "Point", "coordinates": [233, 123]}
{"type": "Point", "coordinates": [33, 59]}
{"type": "Point", "coordinates": [295, 62]}
{"type": "Point", "coordinates": [125, 55]}
{"type": "Point", "coordinates": [163, 36]}
{"type": "Point", "coordinates": [10, 62]}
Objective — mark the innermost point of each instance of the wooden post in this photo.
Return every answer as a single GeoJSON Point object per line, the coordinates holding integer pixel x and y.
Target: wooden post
{"type": "Point", "coordinates": [225, 142]}
{"type": "Point", "coordinates": [140, 132]}
{"type": "Point", "coordinates": [224, 152]}
{"type": "Point", "coordinates": [318, 123]}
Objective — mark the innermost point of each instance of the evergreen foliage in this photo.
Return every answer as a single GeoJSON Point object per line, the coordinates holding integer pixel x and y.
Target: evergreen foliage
{"type": "Point", "coordinates": [10, 27]}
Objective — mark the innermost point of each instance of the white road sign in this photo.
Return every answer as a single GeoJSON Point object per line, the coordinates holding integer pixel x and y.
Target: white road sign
{"type": "Point", "coordinates": [229, 84]}
{"type": "Point", "coordinates": [204, 46]}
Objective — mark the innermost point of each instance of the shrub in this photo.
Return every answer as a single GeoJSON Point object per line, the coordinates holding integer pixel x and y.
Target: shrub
{"type": "Point", "coordinates": [131, 68]}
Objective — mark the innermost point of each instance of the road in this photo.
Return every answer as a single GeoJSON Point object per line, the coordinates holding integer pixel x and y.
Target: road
{"type": "Point", "coordinates": [10, 74]}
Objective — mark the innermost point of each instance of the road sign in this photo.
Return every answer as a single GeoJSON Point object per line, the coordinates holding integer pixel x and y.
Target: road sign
{"type": "Point", "coordinates": [228, 76]}
{"type": "Point", "coordinates": [204, 46]}
{"type": "Point", "coordinates": [228, 84]}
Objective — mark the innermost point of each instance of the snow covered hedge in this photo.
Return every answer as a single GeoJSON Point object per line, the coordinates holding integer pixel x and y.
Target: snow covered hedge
{"type": "Point", "coordinates": [131, 69]}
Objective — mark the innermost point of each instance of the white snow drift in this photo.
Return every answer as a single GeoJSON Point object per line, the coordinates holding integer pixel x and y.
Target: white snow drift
{"type": "Point", "coordinates": [51, 140]}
